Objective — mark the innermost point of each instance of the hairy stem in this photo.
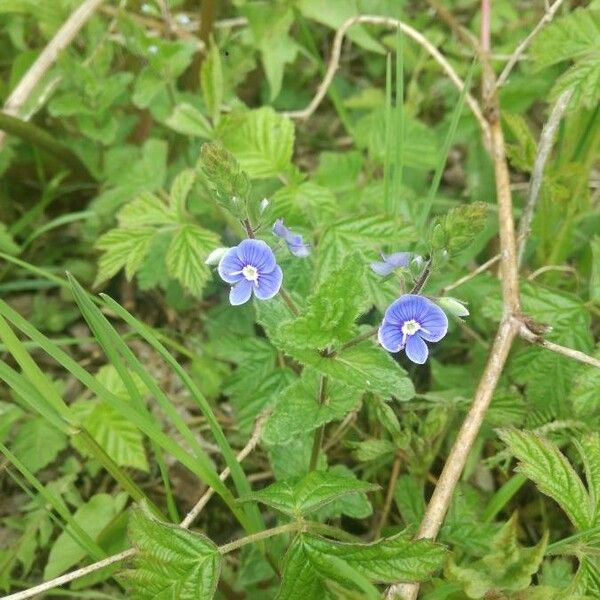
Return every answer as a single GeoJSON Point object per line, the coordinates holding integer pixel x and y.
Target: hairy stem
{"type": "Point", "coordinates": [320, 431]}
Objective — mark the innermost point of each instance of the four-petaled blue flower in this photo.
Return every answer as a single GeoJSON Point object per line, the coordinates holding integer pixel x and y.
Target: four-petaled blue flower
{"type": "Point", "coordinates": [408, 323]}
{"type": "Point", "coordinates": [391, 262]}
{"type": "Point", "coordinates": [296, 244]}
{"type": "Point", "coordinates": [250, 267]}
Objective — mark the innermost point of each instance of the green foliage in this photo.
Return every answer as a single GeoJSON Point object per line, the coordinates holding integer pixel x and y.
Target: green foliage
{"type": "Point", "coordinates": [544, 463]}
{"type": "Point", "coordinates": [94, 517]}
{"type": "Point", "coordinates": [456, 231]}
{"type": "Point", "coordinates": [142, 223]}
{"type": "Point", "coordinates": [312, 562]}
{"type": "Point", "coordinates": [508, 567]}
{"type": "Point", "coordinates": [170, 561]}
{"type": "Point", "coordinates": [314, 491]}
{"type": "Point", "coordinates": [573, 37]}
{"type": "Point", "coordinates": [261, 140]}
{"type": "Point", "coordinates": [330, 312]}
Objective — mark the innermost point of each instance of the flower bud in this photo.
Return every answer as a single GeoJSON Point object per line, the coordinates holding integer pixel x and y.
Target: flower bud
{"type": "Point", "coordinates": [453, 306]}
{"type": "Point", "coordinates": [215, 256]}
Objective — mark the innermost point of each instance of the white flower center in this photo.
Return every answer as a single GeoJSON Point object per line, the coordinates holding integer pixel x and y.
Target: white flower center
{"type": "Point", "coordinates": [250, 273]}
{"type": "Point", "coordinates": [410, 327]}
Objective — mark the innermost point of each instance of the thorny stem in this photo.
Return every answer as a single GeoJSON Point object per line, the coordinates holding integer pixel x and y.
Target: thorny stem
{"type": "Point", "coordinates": [320, 432]}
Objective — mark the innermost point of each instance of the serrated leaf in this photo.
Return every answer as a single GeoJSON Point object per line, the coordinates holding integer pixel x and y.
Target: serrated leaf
{"type": "Point", "coordinates": [180, 189]}
{"type": "Point", "coordinates": [312, 492]}
{"type": "Point", "coordinates": [344, 237]}
{"type": "Point", "coordinates": [211, 81]}
{"type": "Point", "coordinates": [93, 517]}
{"type": "Point", "coordinates": [507, 568]}
{"type": "Point", "coordinates": [261, 140]}
{"type": "Point", "coordinates": [37, 443]}
{"type": "Point", "coordinates": [298, 409]}
{"type": "Point", "coordinates": [595, 270]}
{"type": "Point", "coordinates": [331, 310]}
{"type": "Point", "coordinates": [185, 257]}
{"type": "Point", "coordinates": [123, 248]}
{"type": "Point", "coordinates": [270, 25]}
{"type": "Point", "coordinates": [583, 79]}
{"type": "Point", "coordinates": [522, 153]}
{"type": "Point", "coordinates": [171, 562]}
{"type": "Point", "coordinates": [188, 120]}
{"type": "Point", "coordinates": [585, 391]}
{"type": "Point", "coordinates": [542, 461]}
{"type": "Point", "coordinates": [145, 210]}
{"type": "Point", "coordinates": [363, 367]}
{"type": "Point", "coordinates": [312, 561]}
{"type": "Point", "coordinates": [304, 204]}
{"type": "Point", "coordinates": [589, 450]}
{"type": "Point", "coordinates": [568, 37]}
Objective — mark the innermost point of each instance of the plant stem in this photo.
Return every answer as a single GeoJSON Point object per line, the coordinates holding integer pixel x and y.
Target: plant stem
{"type": "Point", "coordinates": [262, 535]}
{"type": "Point", "coordinates": [38, 137]}
{"type": "Point", "coordinates": [320, 432]}
{"type": "Point", "coordinates": [289, 301]}
{"type": "Point", "coordinates": [358, 339]}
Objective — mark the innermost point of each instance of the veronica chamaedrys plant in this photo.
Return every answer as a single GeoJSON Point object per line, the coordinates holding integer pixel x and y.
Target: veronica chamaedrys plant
{"type": "Point", "coordinates": [250, 267]}
{"type": "Point", "coordinates": [408, 323]}
{"type": "Point", "coordinates": [295, 242]}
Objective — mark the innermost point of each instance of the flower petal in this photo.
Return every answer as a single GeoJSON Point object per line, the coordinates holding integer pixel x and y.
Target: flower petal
{"type": "Point", "coordinates": [297, 246]}
{"type": "Point", "coordinates": [279, 229]}
{"type": "Point", "coordinates": [240, 292]}
{"type": "Point", "coordinates": [434, 324]}
{"type": "Point", "coordinates": [230, 264]}
{"type": "Point", "coordinates": [407, 307]}
{"type": "Point", "coordinates": [258, 254]}
{"type": "Point", "coordinates": [416, 349]}
{"type": "Point", "coordinates": [390, 336]}
{"type": "Point", "coordinates": [381, 268]}
{"type": "Point", "coordinates": [268, 284]}
{"type": "Point", "coordinates": [398, 259]}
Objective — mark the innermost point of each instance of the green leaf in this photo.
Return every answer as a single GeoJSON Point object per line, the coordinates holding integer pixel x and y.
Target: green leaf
{"type": "Point", "coordinates": [522, 153]}
{"type": "Point", "coordinates": [270, 25]}
{"type": "Point", "coordinates": [457, 230]}
{"type": "Point", "coordinates": [93, 517]}
{"type": "Point", "coordinates": [123, 248]}
{"type": "Point", "coordinates": [180, 190]}
{"type": "Point", "coordinates": [389, 560]}
{"type": "Point", "coordinates": [595, 270]}
{"type": "Point", "coordinates": [312, 492]}
{"type": "Point", "coordinates": [38, 443]}
{"type": "Point", "coordinates": [7, 242]}
{"type": "Point", "coordinates": [585, 391]}
{"type": "Point", "coordinates": [569, 37]}
{"type": "Point", "coordinates": [306, 572]}
{"type": "Point", "coordinates": [171, 562]}
{"type": "Point", "coordinates": [298, 410]}
{"type": "Point", "coordinates": [542, 461]}
{"type": "Point", "coordinates": [211, 81]}
{"type": "Point", "coordinates": [331, 310]}
{"type": "Point", "coordinates": [507, 568]}
{"type": "Point", "coordinates": [589, 449]}
{"type": "Point", "coordinates": [583, 79]}
{"type": "Point", "coordinates": [345, 236]}
{"type": "Point", "coordinates": [334, 13]}
{"type": "Point", "coordinates": [312, 562]}
{"type": "Point", "coordinates": [185, 257]}
{"type": "Point", "coordinates": [145, 210]}
{"type": "Point", "coordinates": [261, 140]}
{"type": "Point", "coordinates": [188, 120]}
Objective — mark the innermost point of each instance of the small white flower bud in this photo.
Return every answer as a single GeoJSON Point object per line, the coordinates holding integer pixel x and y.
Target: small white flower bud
{"type": "Point", "coordinates": [453, 306]}
{"type": "Point", "coordinates": [215, 256]}
{"type": "Point", "coordinates": [264, 203]}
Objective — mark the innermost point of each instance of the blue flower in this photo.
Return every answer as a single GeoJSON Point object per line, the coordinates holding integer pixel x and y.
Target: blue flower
{"type": "Point", "coordinates": [296, 244]}
{"type": "Point", "coordinates": [408, 323]}
{"type": "Point", "coordinates": [391, 262]}
{"type": "Point", "coordinates": [250, 267]}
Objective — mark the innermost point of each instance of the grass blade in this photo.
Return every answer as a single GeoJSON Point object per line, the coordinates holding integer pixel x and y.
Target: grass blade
{"type": "Point", "coordinates": [439, 170]}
